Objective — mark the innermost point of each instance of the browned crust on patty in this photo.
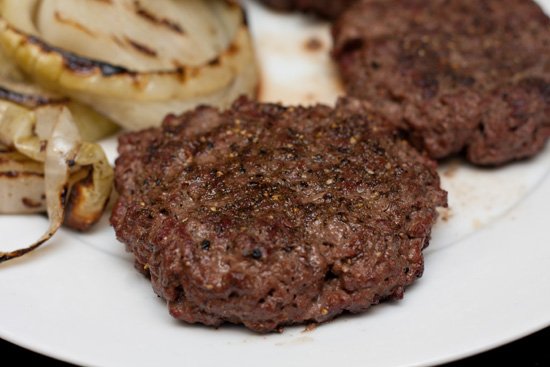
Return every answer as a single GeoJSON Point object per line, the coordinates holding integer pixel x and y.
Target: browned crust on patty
{"type": "Point", "coordinates": [270, 216]}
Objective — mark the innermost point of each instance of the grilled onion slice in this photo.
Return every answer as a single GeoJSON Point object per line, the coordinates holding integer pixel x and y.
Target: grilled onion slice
{"type": "Point", "coordinates": [16, 88]}
{"type": "Point", "coordinates": [21, 183]}
{"type": "Point", "coordinates": [44, 165]}
{"type": "Point", "coordinates": [145, 59]}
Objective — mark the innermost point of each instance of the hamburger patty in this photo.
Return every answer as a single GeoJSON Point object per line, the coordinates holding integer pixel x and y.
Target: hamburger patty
{"type": "Point", "coordinates": [269, 216]}
{"type": "Point", "coordinates": [329, 9]}
{"type": "Point", "coordinates": [459, 75]}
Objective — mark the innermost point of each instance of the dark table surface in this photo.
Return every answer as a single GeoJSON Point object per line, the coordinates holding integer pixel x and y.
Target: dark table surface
{"type": "Point", "coordinates": [531, 351]}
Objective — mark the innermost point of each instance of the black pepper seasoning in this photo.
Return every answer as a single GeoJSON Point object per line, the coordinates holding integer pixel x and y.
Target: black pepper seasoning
{"type": "Point", "coordinates": [205, 245]}
{"type": "Point", "coordinates": [257, 253]}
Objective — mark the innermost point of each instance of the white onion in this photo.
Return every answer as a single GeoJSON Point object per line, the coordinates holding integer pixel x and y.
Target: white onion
{"type": "Point", "coordinates": [16, 88]}
{"type": "Point", "coordinates": [134, 61]}
{"type": "Point", "coordinates": [42, 157]}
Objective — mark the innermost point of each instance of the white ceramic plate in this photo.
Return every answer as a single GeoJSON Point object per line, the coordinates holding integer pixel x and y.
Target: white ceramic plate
{"type": "Point", "coordinates": [487, 278]}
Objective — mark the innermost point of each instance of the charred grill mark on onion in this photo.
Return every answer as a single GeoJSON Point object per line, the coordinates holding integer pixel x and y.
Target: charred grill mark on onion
{"type": "Point", "coordinates": [88, 66]}
{"type": "Point", "coordinates": [141, 48]}
{"type": "Point", "coordinates": [5, 256]}
{"type": "Point", "coordinates": [78, 63]}
{"type": "Point", "coordinates": [31, 204]}
{"type": "Point", "coordinates": [16, 174]}
{"type": "Point", "coordinates": [73, 23]}
{"type": "Point", "coordinates": [146, 14]}
{"type": "Point", "coordinates": [29, 100]}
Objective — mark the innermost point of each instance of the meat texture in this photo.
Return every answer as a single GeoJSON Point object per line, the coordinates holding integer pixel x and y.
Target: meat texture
{"type": "Point", "coordinates": [269, 216]}
{"type": "Point", "coordinates": [457, 75]}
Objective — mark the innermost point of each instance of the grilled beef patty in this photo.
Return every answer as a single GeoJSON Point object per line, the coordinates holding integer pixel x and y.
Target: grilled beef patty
{"type": "Point", "coordinates": [268, 216]}
{"type": "Point", "coordinates": [459, 75]}
{"type": "Point", "coordinates": [329, 9]}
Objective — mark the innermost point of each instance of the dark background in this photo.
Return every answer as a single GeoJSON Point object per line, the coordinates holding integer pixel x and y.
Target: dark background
{"type": "Point", "coordinates": [532, 351]}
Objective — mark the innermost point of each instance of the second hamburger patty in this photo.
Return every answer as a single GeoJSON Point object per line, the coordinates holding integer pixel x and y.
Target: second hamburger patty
{"type": "Point", "coordinates": [457, 74]}
{"type": "Point", "coordinates": [269, 216]}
